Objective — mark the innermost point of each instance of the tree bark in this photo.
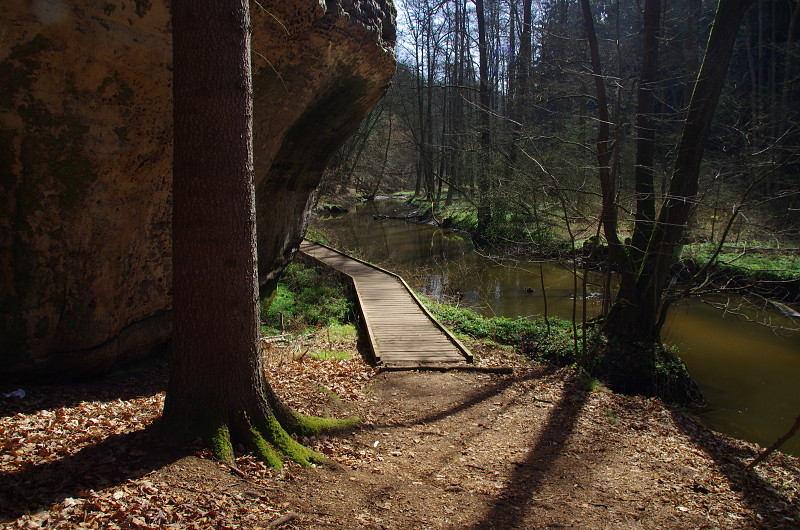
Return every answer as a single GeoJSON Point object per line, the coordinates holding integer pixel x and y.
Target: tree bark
{"type": "Point", "coordinates": [217, 387]}
{"type": "Point", "coordinates": [787, 71]}
{"type": "Point", "coordinates": [608, 216]}
{"type": "Point", "coordinates": [215, 371]}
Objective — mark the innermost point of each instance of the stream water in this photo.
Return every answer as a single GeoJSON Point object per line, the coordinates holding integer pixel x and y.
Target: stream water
{"type": "Point", "coordinates": [748, 373]}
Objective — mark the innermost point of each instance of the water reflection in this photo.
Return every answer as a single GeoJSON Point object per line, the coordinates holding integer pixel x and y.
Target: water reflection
{"type": "Point", "coordinates": [747, 372]}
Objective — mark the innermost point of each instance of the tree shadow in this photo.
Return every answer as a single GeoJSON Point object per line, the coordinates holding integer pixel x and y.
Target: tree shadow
{"type": "Point", "coordinates": [510, 508]}
{"type": "Point", "coordinates": [106, 464]}
{"type": "Point", "coordinates": [770, 509]}
{"type": "Point", "coordinates": [141, 380]}
{"type": "Point", "coordinates": [486, 392]}
{"type": "Point", "coordinates": [479, 396]}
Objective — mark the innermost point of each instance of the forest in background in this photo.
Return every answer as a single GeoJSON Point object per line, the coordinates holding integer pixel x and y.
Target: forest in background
{"type": "Point", "coordinates": [514, 159]}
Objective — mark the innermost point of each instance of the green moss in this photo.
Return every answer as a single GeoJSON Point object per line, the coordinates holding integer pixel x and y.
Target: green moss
{"type": "Point", "coordinates": [122, 133]}
{"type": "Point", "coordinates": [18, 69]}
{"type": "Point", "coordinates": [220, 442]}
{"type": "Point", "coordinates": [73, 174]}
{"type": "Point", "coordinates": [264, 450]}
{"type": "Point", "coordinates": [109, 8]}
{"type": "Point", "coordinates": [313, 425]}
{"type": "Point", "coordinates": [278, 438]}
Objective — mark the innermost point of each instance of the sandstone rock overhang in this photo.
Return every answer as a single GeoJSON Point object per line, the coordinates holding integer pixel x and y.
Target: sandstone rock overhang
{"type": "Point", "coordinates": [86, 152]}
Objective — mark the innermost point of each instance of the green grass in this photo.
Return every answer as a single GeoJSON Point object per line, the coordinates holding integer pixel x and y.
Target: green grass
{"type": "Point", "coordinates": [531, 337]}
{"type": "Point", "coordinates": [341, 332]}
{"type": "Point", "coordinates": [750, 261]}
{"type": "Point", "coordinates": [307, 298]}
{"type": "Point", "coordinates": [330, 355]}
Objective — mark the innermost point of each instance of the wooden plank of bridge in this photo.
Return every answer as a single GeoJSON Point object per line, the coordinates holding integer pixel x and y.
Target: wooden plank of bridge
{"type": "Point", "coordinates": [400, 330]}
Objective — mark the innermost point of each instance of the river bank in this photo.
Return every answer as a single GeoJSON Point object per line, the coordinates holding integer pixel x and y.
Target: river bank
{"type": "Point", "coordinates": [534, 449]}
{"type": "Point", "coordinates": [767, 272]}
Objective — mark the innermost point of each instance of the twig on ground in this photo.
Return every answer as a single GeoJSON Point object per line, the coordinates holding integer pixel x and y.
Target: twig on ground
{"type": "Point", "coordinates": [291, 516]}
{"type": "Point", "coordinates": [768, 451]}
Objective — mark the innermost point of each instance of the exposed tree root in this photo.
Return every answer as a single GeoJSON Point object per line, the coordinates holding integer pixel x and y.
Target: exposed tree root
{"type": "Point", "coordinates": [270, 441]}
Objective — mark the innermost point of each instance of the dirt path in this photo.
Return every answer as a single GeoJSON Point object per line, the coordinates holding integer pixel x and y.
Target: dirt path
{"type": "Point", "coordinates": [535, 451]}
{"type": "Point", "coordinates": [436, 451]}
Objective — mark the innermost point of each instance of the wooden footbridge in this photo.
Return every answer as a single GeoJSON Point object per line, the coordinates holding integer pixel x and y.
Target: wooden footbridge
{"type": "Point", "coordinates": [402, 333]}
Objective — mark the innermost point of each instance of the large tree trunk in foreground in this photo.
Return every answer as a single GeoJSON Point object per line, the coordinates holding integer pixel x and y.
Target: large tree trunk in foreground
{"type": "Point", "coordinates": [217, 388]}
{"type": "Point", "coordinates": [216, 375]}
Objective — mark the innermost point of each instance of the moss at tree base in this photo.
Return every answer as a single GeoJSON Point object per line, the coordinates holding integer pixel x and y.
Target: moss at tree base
{"type": "Point", "coordinates": [270, 441]}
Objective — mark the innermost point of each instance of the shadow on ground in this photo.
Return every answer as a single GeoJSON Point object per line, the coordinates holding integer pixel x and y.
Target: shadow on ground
{"type": "Point", "coordinates": [141, 380]}
{"type": "Point", "coordinates": [770, 509]}
{"type": "Point", "coordinates": [102, 465]}
{"type": "Point", "coordinates": [416, 391]}
{"type": "Point", "coordinates": [110, 462]}
{"type": "Point", "coordinates": [510, 508]}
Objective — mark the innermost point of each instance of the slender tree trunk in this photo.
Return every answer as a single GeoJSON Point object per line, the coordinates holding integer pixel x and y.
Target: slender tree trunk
{"type": "Point", "coordinates": [773, 74]}
{"type": "Point", "coordinates": [645, 132]}
{"type": "Point", "coordinates": [636, 316]}
{"type": "Point", "coordinates": [484, 179]}
{"type": "Point", "coordinates": [692, 55]}
{"type": "Point", "coordinates": [751, 63]}
{"type": "Point", "coordinates": [608, 216]}
{"type": "Point", "coordinates": [760, 71]}
{"type": "Point", "coordinates": [787, 71]}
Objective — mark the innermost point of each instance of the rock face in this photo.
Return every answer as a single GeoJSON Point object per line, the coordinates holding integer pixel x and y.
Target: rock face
{"type": "Point", "coordinates": [85, 161]}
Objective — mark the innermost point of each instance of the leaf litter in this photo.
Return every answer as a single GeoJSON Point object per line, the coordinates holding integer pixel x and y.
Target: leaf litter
{"type": "Point", "coordinates": [434, 450]}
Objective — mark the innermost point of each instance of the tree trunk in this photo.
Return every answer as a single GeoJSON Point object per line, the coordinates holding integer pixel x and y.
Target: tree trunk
{"type": "Point", "coordinates": [217, 386]}
{"type": "Point", "coordinates": [691, 52]}
{"type": "Point", "coordinates": [638, 316]}
{"type": "Point", "coordinates": [484, 179]}
{"type": "Point", "coordinates": [645, 132]}
{"type": "Point", "coordinates": [608, 216]}
{"type": "Point", "coordinates": [787, 71]}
